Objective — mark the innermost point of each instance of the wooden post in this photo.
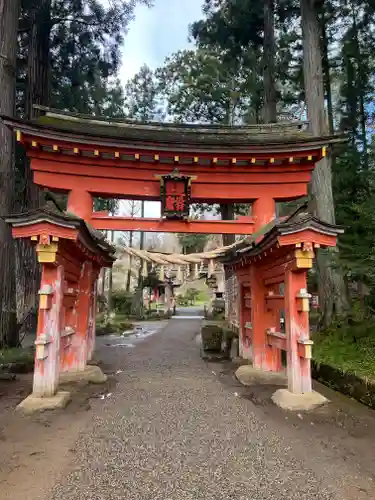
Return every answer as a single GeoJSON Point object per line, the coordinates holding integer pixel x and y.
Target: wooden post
{"type": "Point", "coordinates": [263, 210]}
{"type": "Point", "coordinates": [81, 344]}
{"type": "Point", "coordinates": [272, 322]}
{"type": "Point", "coordinates": [259, 320]}
{"type": "Point", "coordinates": [245, 320]}
{"type": "Point", "coordinates": [83, 313]}
{"type": "Point", "coordinates": [297, 332]}
{"type": "Point", "coordinates": [92, 320]}
{"type": "Point", "coordinates": [50, 324]}
{"type": "Point", "coordinates": [80, 204]}
{"type": "Point", "coordinates": [167, 299]}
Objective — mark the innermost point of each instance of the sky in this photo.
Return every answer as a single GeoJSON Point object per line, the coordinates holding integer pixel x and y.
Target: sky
{"type": "Point", "coordinates": [156, 33]}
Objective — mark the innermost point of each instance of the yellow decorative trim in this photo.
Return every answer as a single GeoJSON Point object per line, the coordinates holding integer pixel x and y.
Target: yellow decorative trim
{"type": "Point", "coordinates": [253, 160]}
{"type": "Point", "coordinates": [55, 238]}
{"type": "Point", "coordinates": [55, 148]}
{"type": "Point", "coordinates": [47, 253]}
{"type": "Point", "coordinates": [176, 159]}
{"type": "Point", "coordinates": [136, 156]}
{"type": "Point", "coordinates": [309, 158]}
{"type": "Point", "coordinates": [76, 151]}
{"type": "Point", "coordinates": [272, 160]}
{"type": "Point", "coordinates": [305, 305]}
{"type": "Point", "coordinates": [34, 144]}
{"type": "Point", "coordinates": [196, 159]}
{"type": "Point", "coordinates": [234, 161]}
{"type": "Point", "coordinates": [96, 152]}
{"type": "Point", "coordinates": [34, 238]}
{"type": "Point", "coordinates": [117, 154]}
{"type": "Point", "coordinates": [324, 152]}
{"type": "Point", "coordinates": [291, 159]}
{"type": "Point", "coordinates": [18, 136]}
{"type": "Point", "coordinates": [304, 259]}
{"type": "Point", "coordinates": [214, 160]}
{"type": "Point", "coordinates": [156, 157]}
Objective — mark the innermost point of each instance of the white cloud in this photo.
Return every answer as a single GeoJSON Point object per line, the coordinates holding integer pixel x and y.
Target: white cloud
{"type": "Point", "coordinates": [157, 32]}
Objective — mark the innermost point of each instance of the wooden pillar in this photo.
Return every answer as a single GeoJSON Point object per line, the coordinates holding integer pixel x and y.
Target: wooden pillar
{"type": "Point", "coordinates": [80, 204]}
{"type": "Point", "coordinates": [297, 332]}
{"type": "Point", "coordinates": [264, 210]}
{"type": "Point", "coordinates": [167, 299]}
{"type": "Point", "coordinates": [272, 322]}
{"type": "Point", "coordinates": [92, 319]}
{"type": "Point", "coordinates": [245, 319]}
{"type": "Point", "coordinates": [79, 344]}
{"type": "Point", "coordinates": [258, 321]}
{"type": "Point", "coordinates": [50, 325]}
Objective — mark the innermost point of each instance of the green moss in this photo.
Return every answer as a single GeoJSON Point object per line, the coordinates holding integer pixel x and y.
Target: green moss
{"type": "Point", "coordinates": [17, 360]}
{"type": "Point", "coordinates": [114, 326]}
{"type": "Point", "coordinates": [349, 348]}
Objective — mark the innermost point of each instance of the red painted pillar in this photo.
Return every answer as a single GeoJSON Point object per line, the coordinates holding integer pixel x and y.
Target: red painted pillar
{"type": "Point", "coordinates": [92, 319]}
{"type": "Point", "coordinates": [79, 350]}
{"type": "Point", "coordinates": [245, 334]}
{"type": "Point", "coordinates": [297, 333]}
{"type": "Point", "coordinates": [272, 321]}
{"type": "Point", "coordinates": [80, 204]}
{"type": "Point", "coordinates": [50, 324]}
{"type": "Point", "coordinates": [259, 319]}
{"type": "Point", "coordinates": [264, 210]}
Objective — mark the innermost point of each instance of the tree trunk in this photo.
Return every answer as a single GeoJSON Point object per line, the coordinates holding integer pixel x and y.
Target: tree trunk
{"type": "Point", "coordinates": [129, 274]}
{"type": "Point", "coordinates": [332, 292]}
{"type": "Point", "coordinates": [269, 52]}
{"type": "Point", "coordinates": [360, 87]}
{"type": "Point", "coordinates": [141, 245]}
{"type": "Point", "coordinates": [110, 280]}
{"type": "Point", "coordinates": [327, 76]}
{"type": "Point", "coordinates": [37, 92]}
{"type": "Point", "coordinates": [9, 15]}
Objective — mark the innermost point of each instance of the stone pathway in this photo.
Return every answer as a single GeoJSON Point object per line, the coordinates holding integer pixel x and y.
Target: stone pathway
{"type": "Point", "coordinates": [176, 428]}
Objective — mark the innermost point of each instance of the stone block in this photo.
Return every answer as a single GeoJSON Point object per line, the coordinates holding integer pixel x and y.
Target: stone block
{"type": "Point", "coordinates": [212, 336]}
{"type": "Point", "coordinates": [90, 375]}
{"type": "Point", "coordinates": [249, 376]}
{"type": "Point", "coordinates": [34, 404]}
{"type": "Point", "coordinates": [298, 402]}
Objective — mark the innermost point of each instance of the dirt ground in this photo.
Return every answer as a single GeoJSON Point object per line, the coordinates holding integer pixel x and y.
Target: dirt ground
{"type": "Point", "coordinates": [36, 452]}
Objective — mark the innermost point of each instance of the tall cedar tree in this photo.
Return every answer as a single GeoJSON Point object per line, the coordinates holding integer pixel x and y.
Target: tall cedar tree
{"type": "Point", "coordinates": [332, 290]}
{"type": "Point", "coordinates": [9, 15]}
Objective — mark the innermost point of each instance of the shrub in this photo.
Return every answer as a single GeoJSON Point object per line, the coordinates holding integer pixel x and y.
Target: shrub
{"type": "Point", "coordinates": [122, 302]}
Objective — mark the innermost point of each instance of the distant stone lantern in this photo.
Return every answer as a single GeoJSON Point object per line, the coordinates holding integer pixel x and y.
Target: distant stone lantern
{"type": "Point", "coordinates": [211, 282]}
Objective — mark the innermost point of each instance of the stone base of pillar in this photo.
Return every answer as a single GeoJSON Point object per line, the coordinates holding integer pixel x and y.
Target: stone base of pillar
{"type": "Point", "coordinates": [298, 402]}
{"type": "Point", "coordinates": [34, 404]}
{"type": "Point", "coordinates": [248, 376]}
{"type": "Point", "coordinates": [90, 375]}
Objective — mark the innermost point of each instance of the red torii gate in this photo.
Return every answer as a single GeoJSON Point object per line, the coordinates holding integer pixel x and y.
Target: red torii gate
{"type": "Point", "coordinates": [88, 157]}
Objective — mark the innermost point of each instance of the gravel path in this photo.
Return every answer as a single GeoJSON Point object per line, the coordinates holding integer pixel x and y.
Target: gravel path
{"type": "Point", "coordinates": [174, 429]}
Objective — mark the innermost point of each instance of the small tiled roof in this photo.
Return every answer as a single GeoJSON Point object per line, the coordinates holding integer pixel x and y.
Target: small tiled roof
{"type": "Point", "coordinates": [91, 237]}
{"type": "Point", "coordinates": [299, 221]}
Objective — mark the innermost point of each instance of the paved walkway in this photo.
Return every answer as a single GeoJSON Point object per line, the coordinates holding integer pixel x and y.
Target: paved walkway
{"type": "Point", "coordinates": [178, 429]}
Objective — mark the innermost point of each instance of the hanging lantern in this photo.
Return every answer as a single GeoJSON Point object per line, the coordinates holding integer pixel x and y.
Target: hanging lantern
{"type": "Point", "coordinates": [161, 273]}
{"type": "Point", "coordinates": [175, 191]}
